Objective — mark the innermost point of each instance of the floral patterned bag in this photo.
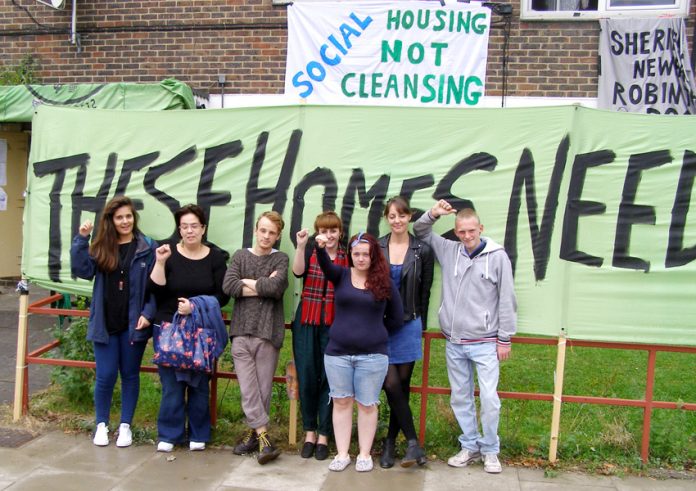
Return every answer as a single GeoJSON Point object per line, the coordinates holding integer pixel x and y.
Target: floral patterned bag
{"type": "Point", "coordinates": [184, 344]}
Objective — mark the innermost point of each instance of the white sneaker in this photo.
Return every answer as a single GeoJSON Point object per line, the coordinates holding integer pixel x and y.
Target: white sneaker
{"type": "Point", "coordinates": [101, 436]}
{"type": "Point", "coordinates": [125, 436]}
{"type": "Point", "coordinates": [363, 465]}
{"type": "Point", "coordinates": [491, 464]}
{"type": "Point", "coordinates": [338, 464]}
{"type": "Point", "coordinates": [464, 458]}
{"type": "Point", "coordinates": [165, 447]}
{"type": "Point", "coordinates": [196, 446]}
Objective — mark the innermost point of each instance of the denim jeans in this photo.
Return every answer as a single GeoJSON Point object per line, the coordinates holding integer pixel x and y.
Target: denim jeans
{"type": "Point", "coordinates": [117, 356]}
{"type": "Point", "coordinates": [358, 376]}
{"type": "Point", "coordinates": [461, 360]}
{"type": "Point", "coordinates": [178, 400]}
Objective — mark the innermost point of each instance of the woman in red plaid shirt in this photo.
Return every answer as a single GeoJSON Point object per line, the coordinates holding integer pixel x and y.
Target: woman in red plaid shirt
{"type": "Point", "coordinates": [310, 332]}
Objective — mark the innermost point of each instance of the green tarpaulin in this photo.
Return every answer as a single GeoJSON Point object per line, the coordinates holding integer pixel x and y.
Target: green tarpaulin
{"type": "Point", "coordinates": [19, 102]}
{"type": "Point", "coordinates": [592, 206]}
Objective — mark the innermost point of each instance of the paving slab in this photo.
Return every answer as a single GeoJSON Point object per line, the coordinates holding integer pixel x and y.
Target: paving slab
{"type": "Point", "coordinates": [396, 478]}
{"type": "Point", "coordinates": [181, 469]}
{"type": "Point", "coordinates": [648, 484]}
{"type": "Point", "coordinates": [51, 446]}
{"type": "Point", "coordinates": [290, 469]}
{"type": "Point", "coordinates": [57, 461]}
{"type": "Point", "coordinates": [558, 486]}
{"type": "Point", "coordinates": [441, 477]}
{"type": "Point", "coordinates": [42, 479]}
{"type": "Point", "coordinates": [15, 465]}
{"type": "Point", "coordinates": [84, 456]}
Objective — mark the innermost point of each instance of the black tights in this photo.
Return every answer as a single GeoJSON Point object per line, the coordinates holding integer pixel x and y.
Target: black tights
{"type": "Point", "coordinates": [396, 386]}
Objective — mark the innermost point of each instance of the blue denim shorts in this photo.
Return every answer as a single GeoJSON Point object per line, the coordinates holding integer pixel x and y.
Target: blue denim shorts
{"type": "Point", "coordinates": [357, 376]}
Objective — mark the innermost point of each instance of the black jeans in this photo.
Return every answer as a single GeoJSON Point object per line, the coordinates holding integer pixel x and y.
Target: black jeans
{"type": "Point", "coordinates": [308, 346]}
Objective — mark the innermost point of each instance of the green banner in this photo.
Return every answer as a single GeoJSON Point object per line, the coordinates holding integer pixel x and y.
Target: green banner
{"type": "Point", "coordinates": [592, 206]}
{"type": "Point", "coordinates": [19, 102]}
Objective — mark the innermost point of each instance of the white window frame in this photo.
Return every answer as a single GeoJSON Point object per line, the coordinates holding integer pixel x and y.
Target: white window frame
{"type": "Point", "coordinates": [679, 9]}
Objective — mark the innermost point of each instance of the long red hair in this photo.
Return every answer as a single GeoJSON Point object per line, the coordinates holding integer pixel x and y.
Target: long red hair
{"type": "Point", "coordinates": [378, 279]}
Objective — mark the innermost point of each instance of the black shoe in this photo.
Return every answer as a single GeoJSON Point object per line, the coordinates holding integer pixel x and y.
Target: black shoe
{"type": "Point", "coordinates": [248, 444]}
{"type": "Point", "coordinates": [307, 450]}
{"type": "Point", "coordinates": [321, 452]}
{"type": "Point", "coordinates": [386, 460]}
{"type": "Point", "coordinates": [414, 455]}
{"type": "Point", "coordinates": [267, 451]}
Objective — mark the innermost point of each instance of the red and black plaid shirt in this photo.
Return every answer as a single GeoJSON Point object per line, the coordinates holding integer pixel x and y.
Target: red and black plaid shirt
{"type": "Point", "coordinates": [318, 292]}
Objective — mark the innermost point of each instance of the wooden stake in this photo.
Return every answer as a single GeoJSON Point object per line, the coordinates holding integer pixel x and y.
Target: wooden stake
{"type": "Point", "coordinates": [557, 396]}
{"type": "Point", "coordinates": [291, 386]}
{"type": "Point", "coordinates": [21, 356]}
{"type": "Point", "coordinates": [292, 429]}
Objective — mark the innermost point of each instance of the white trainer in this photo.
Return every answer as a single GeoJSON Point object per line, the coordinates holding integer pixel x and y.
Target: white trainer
{"type": "Point", "coordinates": [101, 435]}
{"type": "Point", "coordinates": [125, 436]}
{"type": "Point", "coordinates": [196, 446]}
{"type": "Point", "coordinates": [491, 464]}
{"type": "Point", "coordinates": [363, 465]}
{"type": "Point", "coordinates": [338, 464]}
{"type": "Point", "coordinates": [165, 447]}
{"type": "Point", "coordinates": [464, 458]}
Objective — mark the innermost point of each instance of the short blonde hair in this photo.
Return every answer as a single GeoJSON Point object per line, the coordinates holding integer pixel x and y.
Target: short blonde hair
{"type": "Point", "coordinates": [274, 217]}
{"type": "Point", "coordinates": [467, 213]}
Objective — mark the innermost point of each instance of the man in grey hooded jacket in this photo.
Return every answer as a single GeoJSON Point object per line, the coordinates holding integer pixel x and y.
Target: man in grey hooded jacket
{"type": "Point", "coordinates": [477, 317]}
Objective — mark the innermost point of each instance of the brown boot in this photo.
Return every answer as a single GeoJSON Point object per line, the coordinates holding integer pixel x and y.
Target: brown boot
{"type": "Point", "coordinates": [248, 444]}
{"type": "Point", "coordinates": [267, 451]}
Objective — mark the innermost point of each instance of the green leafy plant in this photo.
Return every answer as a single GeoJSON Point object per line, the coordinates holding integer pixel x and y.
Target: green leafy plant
{"type": "Point", "coordinates": [22, 74]}
{"type": "Point", "coordinates": [76, 383]}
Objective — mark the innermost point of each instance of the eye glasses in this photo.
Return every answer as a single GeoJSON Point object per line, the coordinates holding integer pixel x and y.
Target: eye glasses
{"type": "Point", "coordinates": [359, 239]}
{"type": "Point", "coordinates": [190, 226]}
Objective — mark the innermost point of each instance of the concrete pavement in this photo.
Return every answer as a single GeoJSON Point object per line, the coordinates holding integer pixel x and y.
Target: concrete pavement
{"type": "Point", "coordinates": [59, 461]}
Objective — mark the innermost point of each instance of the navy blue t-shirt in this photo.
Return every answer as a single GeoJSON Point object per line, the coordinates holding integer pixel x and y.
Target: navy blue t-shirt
{"type": "Point", "coordinates": [361, 323]}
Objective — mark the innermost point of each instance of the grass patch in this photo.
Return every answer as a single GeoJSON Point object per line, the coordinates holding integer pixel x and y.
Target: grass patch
{"type": "Point", "coordinates": [602, 439]}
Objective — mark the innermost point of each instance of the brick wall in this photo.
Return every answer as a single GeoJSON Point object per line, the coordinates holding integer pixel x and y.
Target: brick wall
{"type": "Point", "coordinates": [245, 40]}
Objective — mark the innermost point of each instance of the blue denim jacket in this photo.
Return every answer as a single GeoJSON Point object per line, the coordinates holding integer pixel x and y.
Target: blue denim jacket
{"type": "Point", "coordinates": [140, 302]}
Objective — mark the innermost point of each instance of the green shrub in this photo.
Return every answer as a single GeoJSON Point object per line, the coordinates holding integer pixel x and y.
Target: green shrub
{"type": "Point", "coordinates": [22, 74]}
{"type": "Point", "coordinates": [76, 383]}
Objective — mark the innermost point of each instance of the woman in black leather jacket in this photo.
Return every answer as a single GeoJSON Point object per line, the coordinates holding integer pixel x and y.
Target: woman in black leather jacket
{"type": "Point", "coordinates": [411, 265]}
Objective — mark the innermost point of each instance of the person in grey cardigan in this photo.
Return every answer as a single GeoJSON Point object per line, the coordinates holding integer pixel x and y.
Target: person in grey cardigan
{"type": "Point", "coordinates": [257, 278]}
{"type": "Point", "coordinates": [478, 316]}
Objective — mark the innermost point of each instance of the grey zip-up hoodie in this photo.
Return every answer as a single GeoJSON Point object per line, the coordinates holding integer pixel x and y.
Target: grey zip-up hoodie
{"type": "Point", "coordinates": [478, 296]}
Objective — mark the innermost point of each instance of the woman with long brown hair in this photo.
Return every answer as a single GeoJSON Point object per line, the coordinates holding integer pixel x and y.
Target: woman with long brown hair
{"type": "Point", "coordinates": [119, 260]}
{"type": "Point", "coordinates": [367, 307]}
{"type": "Point", "coordinates": [411, 266]}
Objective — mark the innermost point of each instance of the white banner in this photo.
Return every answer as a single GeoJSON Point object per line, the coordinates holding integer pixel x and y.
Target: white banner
{"type": "Point", "coordinates": [387, 53]}
{"type": "Point", "coordinates": [645, 67]}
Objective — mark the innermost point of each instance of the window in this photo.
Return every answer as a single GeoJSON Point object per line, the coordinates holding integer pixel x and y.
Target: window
{"type": "Point", "coordinates": [595, 9]}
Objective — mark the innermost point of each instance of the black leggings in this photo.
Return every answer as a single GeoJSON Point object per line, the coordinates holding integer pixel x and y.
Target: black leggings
{"type": "Point", "coordinates": [396, 386]}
